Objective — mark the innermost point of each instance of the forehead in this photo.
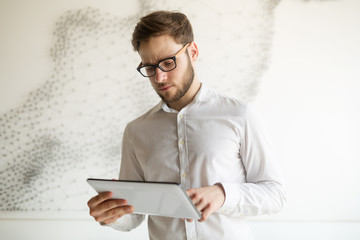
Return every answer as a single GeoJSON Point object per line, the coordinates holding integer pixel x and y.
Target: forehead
{"type": "Point", "coordinates": [158, 48]}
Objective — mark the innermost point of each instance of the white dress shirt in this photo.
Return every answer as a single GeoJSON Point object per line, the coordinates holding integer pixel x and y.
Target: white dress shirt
{"type": "Point", "coordinates": [214, 139]}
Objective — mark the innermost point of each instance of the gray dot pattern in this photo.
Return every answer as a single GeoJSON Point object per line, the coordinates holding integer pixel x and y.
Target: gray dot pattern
{"type": "Point", "coordinates": [70, 128]}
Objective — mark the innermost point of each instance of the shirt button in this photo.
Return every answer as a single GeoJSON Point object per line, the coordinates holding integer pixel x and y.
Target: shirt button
{"type": "Point", "coordinates": [180, 116]}
{"type": "Point", "coordinates": [183, 175]}
{"type": "Point", "coordinates": [181, 142]}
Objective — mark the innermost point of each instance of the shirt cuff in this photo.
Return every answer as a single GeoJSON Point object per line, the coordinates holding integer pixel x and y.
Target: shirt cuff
{"type": "Point", "coordinates": [231, 198]}
{"type": "Point", "coordinates": [126, 222]}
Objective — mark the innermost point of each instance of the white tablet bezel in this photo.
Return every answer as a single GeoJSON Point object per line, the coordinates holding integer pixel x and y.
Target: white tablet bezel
{"type": "Point", "coordinates": [166, 199]}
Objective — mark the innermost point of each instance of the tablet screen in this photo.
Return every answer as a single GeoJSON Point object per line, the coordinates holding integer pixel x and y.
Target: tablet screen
{"type": "Point", "coordinates": [153, 198]}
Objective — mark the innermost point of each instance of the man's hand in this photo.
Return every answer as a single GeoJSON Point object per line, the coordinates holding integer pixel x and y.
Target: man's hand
{"type": "Point", "coordinates": [207, 199]}
{"type": "Point", "coordinates": [106, 210]}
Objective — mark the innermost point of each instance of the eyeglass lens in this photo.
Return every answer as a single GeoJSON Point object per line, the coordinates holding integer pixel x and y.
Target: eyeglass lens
{"type": "Point", "coordinates": [165, 65]}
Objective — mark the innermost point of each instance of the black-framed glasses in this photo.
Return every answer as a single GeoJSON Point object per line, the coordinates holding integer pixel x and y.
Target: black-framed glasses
{"type": "Point", "coordinates": [165, 65]}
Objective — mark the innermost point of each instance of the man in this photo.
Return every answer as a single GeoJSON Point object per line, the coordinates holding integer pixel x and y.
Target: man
{"type": "Point", "coordinates": [211, 144]}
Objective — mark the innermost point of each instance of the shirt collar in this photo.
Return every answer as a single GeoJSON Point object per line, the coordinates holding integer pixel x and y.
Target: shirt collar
{"type": "Point", "coordinates": [201, 95]}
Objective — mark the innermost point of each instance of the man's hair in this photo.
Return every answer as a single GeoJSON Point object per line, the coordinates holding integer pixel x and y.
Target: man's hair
{"type": "Point", "coordinates": [174, 24]}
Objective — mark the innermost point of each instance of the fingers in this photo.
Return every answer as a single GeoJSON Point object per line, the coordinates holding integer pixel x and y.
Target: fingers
{"type": "Point", "coordinates": [207, 212]}
{"type": "Point", "coordinates": [106, 206]}
{"type": "Point", "coordinates": [207, 199]}
{"type": "Point", "coordinates": [199, 202]}
{"type": "Point", "coordinates": [101, 197]}
{"type": "Point", "coordinates": [188, 219]}
{"type": "Point", "coordinates": [107, 210]}
{"type": "Point", "coordinates": [113, 214]}
{"type": "Point", "coordinates": [197, 197]}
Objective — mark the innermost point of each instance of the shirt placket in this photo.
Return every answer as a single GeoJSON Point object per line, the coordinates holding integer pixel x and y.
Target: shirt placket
{"type": "Point", "coordinates": [184, 166]}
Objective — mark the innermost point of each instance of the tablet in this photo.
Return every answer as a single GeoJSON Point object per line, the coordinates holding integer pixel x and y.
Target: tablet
{"type": "Point", "coordinates": [153, 198]}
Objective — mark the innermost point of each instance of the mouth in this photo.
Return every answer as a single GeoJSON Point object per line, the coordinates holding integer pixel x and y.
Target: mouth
{"type": "Point", "coordinates": [165, 88]}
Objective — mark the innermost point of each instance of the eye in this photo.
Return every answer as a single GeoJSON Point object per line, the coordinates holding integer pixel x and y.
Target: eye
{"type": "Point", "coordinates": [149, 69]}
{"type": "Point", "coordinates": [167, 64]}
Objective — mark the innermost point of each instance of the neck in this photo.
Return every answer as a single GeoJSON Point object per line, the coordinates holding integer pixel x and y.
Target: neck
{"type": "Point", "coordinates": [188, 97]}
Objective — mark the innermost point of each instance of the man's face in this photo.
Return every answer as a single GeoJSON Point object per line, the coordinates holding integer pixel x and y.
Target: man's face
{"type": "Point", "coordinates": [170, 86]}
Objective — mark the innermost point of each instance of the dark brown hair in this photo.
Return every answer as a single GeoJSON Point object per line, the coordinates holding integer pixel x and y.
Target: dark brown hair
{"type": "Point", "coordinates": [159, 23]}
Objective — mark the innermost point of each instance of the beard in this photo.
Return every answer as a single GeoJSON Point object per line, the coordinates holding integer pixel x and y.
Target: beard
{"type": "Point", "coordinates": [187, 80]}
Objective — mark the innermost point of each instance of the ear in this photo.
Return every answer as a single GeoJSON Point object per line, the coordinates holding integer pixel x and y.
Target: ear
{"type": "Point", "coordinates": [193, 51]}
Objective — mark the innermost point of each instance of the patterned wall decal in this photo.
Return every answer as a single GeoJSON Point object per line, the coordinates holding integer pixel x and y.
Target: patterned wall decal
{"type": "Point", "coordinates": [71, 127]}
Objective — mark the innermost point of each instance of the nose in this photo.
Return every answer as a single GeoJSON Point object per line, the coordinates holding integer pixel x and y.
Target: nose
{"type": "Point", "coordinates": [160, 76]}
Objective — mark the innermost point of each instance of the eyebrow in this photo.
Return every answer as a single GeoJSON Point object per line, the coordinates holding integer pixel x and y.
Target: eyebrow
{"type": "Point", "coordinates": [170, 56]}
{"type": "Point", "coordinates": [143, 64]}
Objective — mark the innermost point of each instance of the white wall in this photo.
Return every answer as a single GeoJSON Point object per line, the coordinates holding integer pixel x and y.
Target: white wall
{"type": "Point", "coordinates": [310, 101]}
{"type": "Point", "coordinates": [309, 98]}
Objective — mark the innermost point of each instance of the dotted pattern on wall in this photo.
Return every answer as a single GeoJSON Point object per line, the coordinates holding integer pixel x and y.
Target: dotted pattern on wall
{"type": "Point", "coordinates": [71, 127]}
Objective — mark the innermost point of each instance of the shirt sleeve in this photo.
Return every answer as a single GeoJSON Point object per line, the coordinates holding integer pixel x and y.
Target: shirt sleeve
{"type": "Point", "coordinates": [263, 192]}
{"type": "Point", "coordinates": [129, 170]}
